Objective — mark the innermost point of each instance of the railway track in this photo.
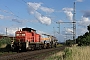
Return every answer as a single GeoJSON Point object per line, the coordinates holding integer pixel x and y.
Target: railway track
{"type": "Point", "coordinates": [31, 55]}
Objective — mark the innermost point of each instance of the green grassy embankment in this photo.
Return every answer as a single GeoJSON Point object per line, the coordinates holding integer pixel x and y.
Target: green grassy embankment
{"type": "Point", "coordinates": [72, 53]}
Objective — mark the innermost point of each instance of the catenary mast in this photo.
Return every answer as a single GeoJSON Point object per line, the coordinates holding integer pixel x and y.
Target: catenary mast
{"type": "Point", "coordinates": [74, 24]}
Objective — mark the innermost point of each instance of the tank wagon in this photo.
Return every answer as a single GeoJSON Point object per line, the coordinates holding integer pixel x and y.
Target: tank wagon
{"type": "Point", "coordinates": [49, 41]}
{"type": "Point", "coordinates": [28, 39]}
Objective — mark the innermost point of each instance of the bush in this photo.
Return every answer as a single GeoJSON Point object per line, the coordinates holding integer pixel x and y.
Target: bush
{"type": "Point", "coordinates": [5, 41]}
{"type": "Point", "coordinates": [68, 52]}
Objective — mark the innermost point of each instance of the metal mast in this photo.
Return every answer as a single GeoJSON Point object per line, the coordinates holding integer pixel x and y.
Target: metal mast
{"type": "Point", "coordinates": [6, 31]}
{"type": "Point", "coordinates": [54, 31]}
{"type": "Point", "coordinates": [74, 24]}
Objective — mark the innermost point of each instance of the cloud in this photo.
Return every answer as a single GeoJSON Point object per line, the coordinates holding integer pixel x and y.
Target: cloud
{"type": "Point", "coordinates": [33, 9]}
{"type": "Point", "coordinates": [5, 11]}
{"type": "Point", "coordinates": [2, 17]}
{"type": "Point", "coordinates": [69, 30]}
{"type": "Point", "coordinates": [41, 32]}
{"type": "Point", "coordinates": [60, 21]}
{"type": "Point", "coordinates": [16, 20]}
{"type": "Point", "coordinates": [85, 21]}
{"type": "Point", "coordinates": [47, 10]}
{"type": "Point", "coordinates": [11, 31]}
{"type": "Point", "coordinates": [5, 17]}
{"type": "Point", "coordinates": [36, 6]}
{"type": "Point", "coordinates": [68, 12]}
{"type": "Point", "coordinates": [86, 13]}
{"type": "Point", "coordinates": [43, 19]}
{"type": "Point", "coordinates": [81, 31]}
{"type": "Point", "coordinates": [79, 0]}
{"type": "Point", "coordinates": [2, 30]}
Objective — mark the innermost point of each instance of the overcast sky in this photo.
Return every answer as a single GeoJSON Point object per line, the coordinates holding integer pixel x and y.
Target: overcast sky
{"type": "Point", "coordinates": [42, 15]}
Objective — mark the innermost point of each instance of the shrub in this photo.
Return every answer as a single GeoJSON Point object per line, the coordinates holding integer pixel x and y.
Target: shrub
{"type": "Point", "coordinates": [5, 40]}
{"type": "Point", "coordinates": [68, 53]}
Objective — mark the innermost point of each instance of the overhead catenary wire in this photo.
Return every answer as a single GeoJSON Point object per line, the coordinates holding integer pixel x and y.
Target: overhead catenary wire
{"type": "Point", "coordinates": [9, 12]}
{"type": "Point", "coordinates": [15, 15]}
{"type": "Point", "coordinates": [53, 12]}
{"type": "Point", "coordinates": [37, 11]}
{"type": "Point", "coordinates": [54, 20]}
{"type": "Point", "coordinates": [12, 12]}
{"type": "Point", "coordinates": [32, 7]}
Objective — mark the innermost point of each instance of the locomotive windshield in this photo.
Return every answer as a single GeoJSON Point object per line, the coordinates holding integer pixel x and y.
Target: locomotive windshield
{"type": "Point", "coordinates": [20, 34]}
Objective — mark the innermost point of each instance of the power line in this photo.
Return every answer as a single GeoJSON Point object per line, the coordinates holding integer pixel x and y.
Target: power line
{"type": "Point", "coordinates": [33, 8]}
{"type": "Point", "coordinates": [12, 12]}
{"type": "Point", "coordinates": [53, 12]}
{"type": "Point", "coordinates": [63, 22]}
{"type": "Point", "coordinates": [24, 1]}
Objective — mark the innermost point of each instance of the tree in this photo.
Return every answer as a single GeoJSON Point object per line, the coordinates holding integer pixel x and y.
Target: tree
{"type": "Point", "coordinates": [88, 28]}
{"type": "Point", "coordinates": [5, 40]}
{"type": "Point", "coordinates": [85, 38]}
{"type": "Point", "coordinates": [69, 42]}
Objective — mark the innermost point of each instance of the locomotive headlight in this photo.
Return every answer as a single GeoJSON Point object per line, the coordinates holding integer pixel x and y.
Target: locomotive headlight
{"type": "Point", "coordinates": [17, 34]}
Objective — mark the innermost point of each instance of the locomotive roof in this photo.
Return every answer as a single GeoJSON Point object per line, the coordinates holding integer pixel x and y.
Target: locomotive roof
{"type": "Point", "coordinates": [28, 29]}
{"type": "Point", "coordinates": [48, 35]}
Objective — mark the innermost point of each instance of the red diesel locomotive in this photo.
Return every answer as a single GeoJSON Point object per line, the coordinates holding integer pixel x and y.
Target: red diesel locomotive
{"type": "Point", "coordinates": [28, 39]}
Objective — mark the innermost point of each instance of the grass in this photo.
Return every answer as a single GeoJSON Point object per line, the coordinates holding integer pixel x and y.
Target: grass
{"type": "Point", "coordinates": [55, 56]}
{"type": "Point", "coordinates": [7, 53]}
{"type": "Point", "coordinates": [5, 50]}
{"type": "Point", "coordinates": [44, 55]}
{"type": "Point", "coordinates": [79, 53]}
{"type": "Point", "coordinates": [59, 45]}
{"type": "Point", "coordinates": [72, 53]}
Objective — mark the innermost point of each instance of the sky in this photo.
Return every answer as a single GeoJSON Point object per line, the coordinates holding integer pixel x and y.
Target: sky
{"type": "Point", "coordinates": [42, 16]}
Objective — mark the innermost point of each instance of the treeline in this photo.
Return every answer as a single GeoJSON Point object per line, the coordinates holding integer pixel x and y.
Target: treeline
{"type": "Point", "coordinates": [83, 40]}
{"type": "Point", "coordinates": [69, 42]}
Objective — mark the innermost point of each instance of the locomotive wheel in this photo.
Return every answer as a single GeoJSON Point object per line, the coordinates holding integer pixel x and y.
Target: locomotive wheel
{"type": "Point", "coordinates": [32, 48]}
{"type": "Point", "coordinates": [40, 47]}
{"type": "Point", "coordinates": [23, 48]}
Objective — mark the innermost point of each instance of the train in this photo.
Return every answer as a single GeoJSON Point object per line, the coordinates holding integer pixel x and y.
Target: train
{"type": "Point", "coordinates": [29, 39]}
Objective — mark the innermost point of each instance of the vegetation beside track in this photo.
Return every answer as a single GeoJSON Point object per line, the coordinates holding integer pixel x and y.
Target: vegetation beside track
{"type": "Point", "coordinates": [72, 53]}
{"type": "Point", "coordinates": [7, 53]}
{"type": "Point", "coordinates": [33, 55]}
{"type": "Point", "coordinates": [79, 53]}
{"type": "Point", "coordinates": [4, 42]}
{"type": "Point", "coordinates": [5, 46]}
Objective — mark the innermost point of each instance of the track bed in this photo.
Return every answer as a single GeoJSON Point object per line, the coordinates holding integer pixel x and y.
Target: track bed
{"type": "Point", "coordinates": [32, 55]}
